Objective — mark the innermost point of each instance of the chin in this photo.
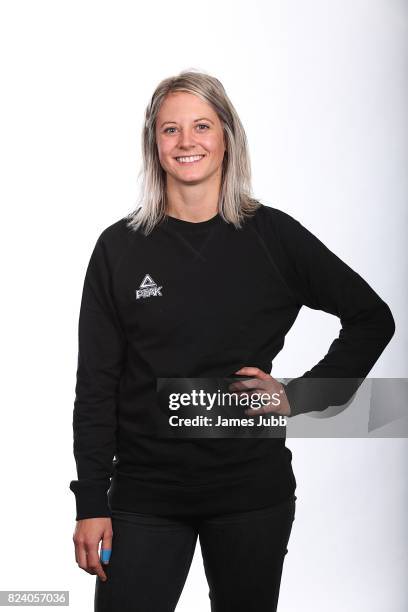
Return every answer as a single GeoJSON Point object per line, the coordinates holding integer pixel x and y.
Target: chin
{"type": "Point", "coordinates": [190, 176]}
{"type": "Point", "coordinates": [191, 180]}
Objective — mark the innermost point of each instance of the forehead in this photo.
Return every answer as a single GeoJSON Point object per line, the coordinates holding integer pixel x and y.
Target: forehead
{"type": "Point", "coordinates": [180, 105]}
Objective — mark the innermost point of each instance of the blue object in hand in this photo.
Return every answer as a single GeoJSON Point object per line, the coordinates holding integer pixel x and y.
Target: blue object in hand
{"type": "Point", "coordinates": [105, 555]}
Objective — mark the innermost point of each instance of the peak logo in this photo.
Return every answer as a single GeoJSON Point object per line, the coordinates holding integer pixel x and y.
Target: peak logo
{"type": "Point", "coordinates": [148, 288]}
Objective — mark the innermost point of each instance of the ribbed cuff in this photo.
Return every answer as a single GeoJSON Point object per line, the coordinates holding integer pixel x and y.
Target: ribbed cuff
{"type": "Point", "coordinates": [91, 500]}
{"type": "Point", "coordinates": [306, 394]}
{"type": "Point", "coordinates": [301, 397]}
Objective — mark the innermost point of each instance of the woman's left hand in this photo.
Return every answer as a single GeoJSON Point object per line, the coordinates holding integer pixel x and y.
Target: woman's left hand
{"type": "Point", "coordinates": [262, 383]}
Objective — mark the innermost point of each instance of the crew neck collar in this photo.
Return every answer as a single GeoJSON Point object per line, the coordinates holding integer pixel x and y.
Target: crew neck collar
{"type": "Point", "coordinates": [191, 225]}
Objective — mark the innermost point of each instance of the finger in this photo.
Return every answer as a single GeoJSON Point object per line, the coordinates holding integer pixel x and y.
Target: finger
{"type": "Point", "coordinates": [266, 406]}
{"type": "Point", "coordinates": [94, 564]}
{"type": "Point", "coordinates": [106, 547]}
{"type": "Point", "coordinates": [255, 411]}
{"type": "Point", "coordinates": [251, 371]}
{"type": "Point", "coordinates": [76, 548]}
{"type": "Point", "coordinates": [244, 384]}
{"type": "Point", "coordinates": [105, 555]}
{"type": "Point", "coordinates": [82, 557]}
{"type": "Point", "coordinates": [263, 409]}
{"type": "Point", "coordinates": [251, 396]}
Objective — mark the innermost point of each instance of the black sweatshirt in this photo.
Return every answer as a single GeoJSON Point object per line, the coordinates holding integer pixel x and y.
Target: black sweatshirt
{"type": "Point", "coordinates": [202, 300]}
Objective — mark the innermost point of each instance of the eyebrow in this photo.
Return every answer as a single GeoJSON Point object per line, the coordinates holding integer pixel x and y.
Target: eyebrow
{"type": "Point", "coordinates": [200, 119]}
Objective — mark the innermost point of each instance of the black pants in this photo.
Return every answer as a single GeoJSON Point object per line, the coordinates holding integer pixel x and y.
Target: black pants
{"type": "Point", "coordinates": [243, 556]}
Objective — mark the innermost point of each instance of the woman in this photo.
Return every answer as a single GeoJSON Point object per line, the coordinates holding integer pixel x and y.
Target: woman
{"type": "Point", "coordinates": [201, 281]}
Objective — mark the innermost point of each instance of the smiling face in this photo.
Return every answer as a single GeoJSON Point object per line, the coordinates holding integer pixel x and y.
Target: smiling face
{"type": "Point", "coordinates": [190, 138]}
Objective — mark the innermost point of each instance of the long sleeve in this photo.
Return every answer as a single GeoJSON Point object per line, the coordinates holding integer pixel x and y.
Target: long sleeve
{"type": "Point", "coordinates": [322, 281]}
{"type": "Point", "coordinates": [101, 355]}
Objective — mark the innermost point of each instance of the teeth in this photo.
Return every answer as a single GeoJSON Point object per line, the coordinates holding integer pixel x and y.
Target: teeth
{"type": "Point", "coordinates": [191, 158]}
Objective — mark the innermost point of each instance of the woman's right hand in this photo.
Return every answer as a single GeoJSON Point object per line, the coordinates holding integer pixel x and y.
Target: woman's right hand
{"type": "Point", "coordinates": [88, 533]}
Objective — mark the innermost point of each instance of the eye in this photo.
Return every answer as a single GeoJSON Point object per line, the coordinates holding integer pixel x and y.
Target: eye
{"type": "Point", "coordinates": [199, 125]}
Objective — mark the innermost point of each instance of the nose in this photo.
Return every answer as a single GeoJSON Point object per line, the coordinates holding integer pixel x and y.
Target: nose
{"type": "Point", "coordinates": [186, 139]}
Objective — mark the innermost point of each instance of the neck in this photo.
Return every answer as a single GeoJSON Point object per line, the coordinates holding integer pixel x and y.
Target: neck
{"type": "Point", "coordinates": [193, 202]}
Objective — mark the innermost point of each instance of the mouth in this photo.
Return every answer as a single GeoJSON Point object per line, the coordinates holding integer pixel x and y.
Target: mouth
{"type": "Point", "coordinates": [189, 159]}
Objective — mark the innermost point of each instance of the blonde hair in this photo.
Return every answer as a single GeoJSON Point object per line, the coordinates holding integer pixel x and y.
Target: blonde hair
{"type": "Point", "coordinates": [235, 200]}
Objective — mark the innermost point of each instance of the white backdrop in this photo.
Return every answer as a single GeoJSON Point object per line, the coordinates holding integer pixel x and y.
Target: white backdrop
{"type": "Point", "coordinates": [321, 88]}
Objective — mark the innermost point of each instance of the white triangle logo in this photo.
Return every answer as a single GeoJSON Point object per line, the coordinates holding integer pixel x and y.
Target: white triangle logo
{"type": "Point", "coordinates": [147, 282]}
{"type": "Point", "coordinates": [148, 288]}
